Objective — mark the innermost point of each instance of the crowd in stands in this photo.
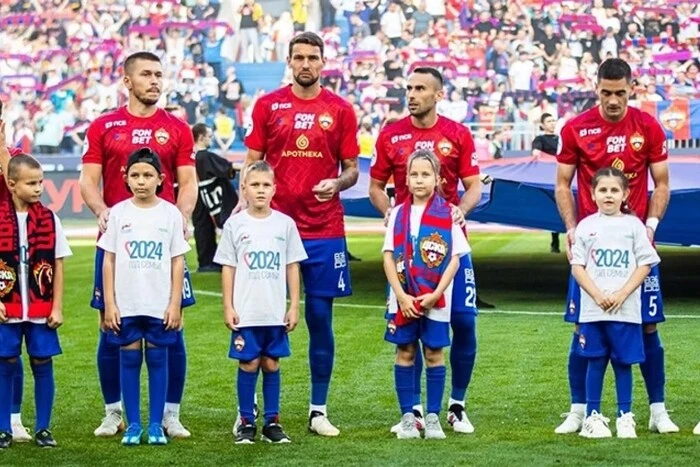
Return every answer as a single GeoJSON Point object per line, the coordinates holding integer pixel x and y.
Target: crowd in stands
{"type": "Point", "coordinates": [506, 63]}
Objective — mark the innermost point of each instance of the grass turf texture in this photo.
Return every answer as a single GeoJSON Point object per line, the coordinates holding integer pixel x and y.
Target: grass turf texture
{"type": "Point", "coordinates": [517, 393]}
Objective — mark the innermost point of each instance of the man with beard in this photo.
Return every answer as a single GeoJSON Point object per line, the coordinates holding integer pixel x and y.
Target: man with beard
{"type": "Point", "coordinates": [306, 133]}
{"type": "Point", "coordinates": [109, 141]}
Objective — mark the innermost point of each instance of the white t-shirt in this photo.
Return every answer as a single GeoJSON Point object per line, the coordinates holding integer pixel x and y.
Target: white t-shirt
{"type": "Point", "coordinates": [611, 248]}
{"type": "Point", "coordinates": [459, 246]}
{"type": "Point", "coordinates": [144, 241]}
{"type": "Point", "coordinates": [62, 250]}
{"type": "Point", "coordinates": [260, 250]}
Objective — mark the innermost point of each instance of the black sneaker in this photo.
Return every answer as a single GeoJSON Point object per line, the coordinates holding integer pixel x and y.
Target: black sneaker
{"type": "Point", "coordinates": [44, 439]}
{"type": "Point", "coordinates": [273, 433]}
{"type": "Point", "coordinates": [246, 432]}
{"type": "Point", "coordinates": [5, 439]}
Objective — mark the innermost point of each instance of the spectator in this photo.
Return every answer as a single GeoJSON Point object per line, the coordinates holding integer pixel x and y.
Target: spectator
{"type": "Point", "coordinates": [251, 13]}
{"type": "Point", "coordinates": [224, 130]}
{"type": "Point", "coordinates": [300, 13]}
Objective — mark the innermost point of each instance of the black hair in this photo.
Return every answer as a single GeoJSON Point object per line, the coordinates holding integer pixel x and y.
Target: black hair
{"type": "Point", "coordinates": [426, 70]}
{"type": "Point", "coordinates": [309, 38]}
{"type": "Point", "coordinates": [131, 59]}
{"type": "Point", "coordinates": [615, 69]}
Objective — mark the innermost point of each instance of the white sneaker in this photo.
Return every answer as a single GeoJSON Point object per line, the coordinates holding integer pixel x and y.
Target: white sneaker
{"type": "Point", "coordinates": [696, 430]}
{"type": "Point", "coordinates": [433, 430]}
{"type": "Point", "coordinates": [573, 421]}
{"type": "Point", "coordinates": [457, 417]}
{"type": "Point", "coordinates": [408, 428]}
{"type": "Point", "coordinates": [661, 423]}
{"type": "Point", "coordinates": [20, 434]}
{"type": "Point", "coordinates": [596, 426]}
{"type": "Point", "coordinates": [319, 424]}
{"type": "Point", "coordinates": [173, 427]}
{"type": "Point", "coordinates": [625, 426]}
{"type": "Point", "coordinates": [112, 424]}
{"type": "Point", "coordinates": [420, 423]}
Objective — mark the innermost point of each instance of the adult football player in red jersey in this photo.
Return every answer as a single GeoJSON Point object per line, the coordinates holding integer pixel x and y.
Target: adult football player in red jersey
{"type": "Point", "coordinates": [19, 432]}
{"type": "Point", "coordinates": [454, 146]}
{"type": "Point", "coordinates": [306, 133]}
{"type": "Point", "coordinates": [614, 134]}
{"type": "Point", "coordinates": [110, 140]}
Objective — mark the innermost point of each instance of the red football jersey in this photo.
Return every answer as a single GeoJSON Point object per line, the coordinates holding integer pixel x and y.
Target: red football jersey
{"type": "Point", "coordinates": [304, 142]}
{"type": "Point", "coordinates": [590, 142]}
{"type": "Point", "coordinates": [451, 142]}
{"type": "Point", "coordinates": [114, 136]}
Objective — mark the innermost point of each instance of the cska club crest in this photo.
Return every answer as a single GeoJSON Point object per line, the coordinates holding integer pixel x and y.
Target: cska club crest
{"type": "Point", "coordinates": [433, 250]}
{"type": "Point", "coordinates": [637, 141]}
{"type": "Point", "coordinates": [326, 121]}
{"type": "Point", "coordinates": [391, 326]}
{"type": "Point", "coordinates": [572, 307]}
{"type": "Point", "coordinates": [162, 136]}
{"type": "Point", "coordinates": [239, 343]}
{"type": "Point", "coordinates": [673, 118]}
{"type": "Point", "coordinates": [445, 147]}
{"type": "Point", "coordinates": [8, 277]}
{"type": "Point", "coordinates": [582, 341]}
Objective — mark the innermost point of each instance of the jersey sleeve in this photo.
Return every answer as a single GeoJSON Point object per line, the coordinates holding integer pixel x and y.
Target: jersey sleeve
{"type": "Point", "coordinates": [348, 138]}
{"type": "Point", "coordinates": [185, 153]}
{"type": "Point", "coordinates": [295, 248]}
{"type": "Point", "coordinates": [644, 252]}
{"type": "Point", "coordinates": [382, 166]}
{"type": "Point", "coordinates": [108, 241]}
{"type": "Point", "coordinates": [567, 151]}
{"type": "Point", "coordinates": [257, 134]}
{"type": "Point", "coordinates": [468, 159]}
{"type": "Point", "coordinates": [658, 151]}
{"type": "Point", "coordinates": [389, 235]}
{"type": "Point", "coordinates": [460, 246]}
{"type": "Point", "coordinates": [92, 150]}
{"type": "Point", "coordinates": [226, 251]}
{"type": "Point", "coordinates": [578, 249]}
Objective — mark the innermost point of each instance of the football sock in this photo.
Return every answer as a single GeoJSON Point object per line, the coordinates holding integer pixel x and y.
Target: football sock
{"type": "Point", "coordinates": [577, 373]}
{"type": "Point", "coordinates": [7, 374]}
{"type": "Point", "coordinates": [403, 382]}
{"type": "Point", "coordinates": [157, 363]}
{"type": "Point", "coordinates": [462, 353]}
{"type": "Point", "coordinates": [594, 383]}
{"type": "Point", "coordinates": [131, 361]}
{"type": "Point", "coordinates": [319, 320]}
{"type": "Point", "coordinates": [623, 387]}
{"type": "Point", "coordinates": [435, 387]}
{"type": "Point", "coordinates": [417, 378]}
{"type": "Point", "coordinates": [108, 369]}
{"type": "Point", "coordinates": [247, 381]}
{"type": "Point", "coordinates": [44, 390]}
{"type": "Point", "coordinates": [271, 395]}
{"type": "Point", "coordinates": [177, 370]}
{"type": "Point", "coordinates": [18, 387]}
{"type": "Point", "coordinates": [654, 367]}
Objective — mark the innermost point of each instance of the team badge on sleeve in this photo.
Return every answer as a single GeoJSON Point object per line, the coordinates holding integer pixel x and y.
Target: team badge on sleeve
{"type": "Point", "coordinates": [162, 136]}
{"type": "Point", "coordinates": [433, 250]}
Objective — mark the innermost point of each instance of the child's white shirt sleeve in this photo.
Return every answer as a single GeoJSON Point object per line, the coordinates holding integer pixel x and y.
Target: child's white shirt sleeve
{"type": "Point", "coordinates": [295, 248]}
{"type": "Point", "coordinates": [460, 246]}
{"type": "Point", "coordinates": [62, 249]}
{"type": "Point", "coordinates": [578, 249]}
{"type": "Point", "coordinates": [226, 251]}
{"type": "Point", "coordinates": [108, 240]}
{"type": "Point", "coordinates": [389, 235]}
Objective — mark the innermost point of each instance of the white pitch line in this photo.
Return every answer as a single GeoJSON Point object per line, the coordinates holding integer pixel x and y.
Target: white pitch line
{"type": "Point", "coordinates": [209, 293]}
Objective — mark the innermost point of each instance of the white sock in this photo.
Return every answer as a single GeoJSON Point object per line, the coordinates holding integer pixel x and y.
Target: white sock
{"type": "Point", "coordinates": [114, 407]}
{"type": "Point", "coordinates": [657, 408]}
{"type": "Point", "coordinates": [317, 408]}
{"type": "Point", "coordinates": [453, 402]}
{"type": "Point", "coordinates": [16, 418]}
{"type": "Point", "coordinates": [419, 409]}
{"type": "Point", "coordinates": [172, 408]}
{"type": "Point", "coordinates": [578, 408]}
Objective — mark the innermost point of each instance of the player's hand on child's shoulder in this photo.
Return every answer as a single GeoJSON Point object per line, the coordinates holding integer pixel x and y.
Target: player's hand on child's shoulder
{"type": "Point", "coordinates": [55, 319]}
{"type": "Point", "coordinates": [231, 318]}
{"type": "Point", "coordinates": [457, 216]}
{"type": "Point", "coordinates": [3, 313]}
{"type": "Point", "coordinates": [570, 240]}
{"type": "Point", "coordinates": [292, 318]}
{"type": "Point", "coordinates": [173, 318]}
{"type": "Point", "coordinates": [102, 219]}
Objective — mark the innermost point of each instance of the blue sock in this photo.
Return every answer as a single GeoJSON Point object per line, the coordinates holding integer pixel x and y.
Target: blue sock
{"type": "Point", "coordinates": [157, 363]}
{"type": "Point", "coordinates": [417, 378]}
{"type": "Point", "coordinates": [462, 353]}
{"type": "Point", "coordinates": [7, 374]}
{"type": "Point", "coordinates": [654, 367]}
{"type": "Point", "coordinates": [271, 395]}
{"type": "Point", "coordinates": [435, 387]}
{"type": "Point", "coordinates": [177, 370]}
{"type": "Point", "coordinates": [594, 383]}
{"type": "Point", "coordinates": [403, 382]}
{"type": "Point", "coordinates": [130, 368]}
{"type": "Point", "coordinates": [319, 319]}
{"type": "Point", "coordinates": [44, 390]}
{"type": "Point", "coordinates": [577, 373]}
{"type": "Point", "coordinates": [623, 386]}
{"type": "Point", "coordinates": [247, 382]}
{"type": "Point", "coordinates": [18, 387]}
{"type": "Point", "coordinates": [108, 369]}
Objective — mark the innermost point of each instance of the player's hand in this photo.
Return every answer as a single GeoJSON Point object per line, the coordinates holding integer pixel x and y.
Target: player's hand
{"type": "Point", "coordinates": [326, 189]}
{"type": "Point", "coordinates": [231, 318]}
{"type": "Point", "coordinates": [3, 313]}
{"type": "Point", "coordinates": [407, 306]}
{"type": "Point", "coordinates": [650, 234]}
{"type": "Point", "coordinates": [292, 318]}
{"type": "Point", "coordinates": [428, 301]}
{"type": "Point", "coordinates": [55, 319]}
{"type": "Point", "coordinates": [173, 318]}
{"type": "Point", "coordinates": [570, 240]}
{"type": "Point", "coordinates": [112, 319]}
{"type": "Point", "coordinates": [186, 228]}
{"type": "Point", "coordinates": [458, 216]}
{"type": "Point", "coordinates": [241, 206]}
{"type": "Point", "coordinates": [615, 301]}
{"type": "Point", "coordinates": [102, 219]}
{"type": "Point", "coordinates": [386, 217]}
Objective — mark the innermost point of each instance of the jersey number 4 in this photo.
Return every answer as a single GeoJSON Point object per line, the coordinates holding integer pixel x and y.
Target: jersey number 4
{"type": "Point", "coordinates": [341, 282]}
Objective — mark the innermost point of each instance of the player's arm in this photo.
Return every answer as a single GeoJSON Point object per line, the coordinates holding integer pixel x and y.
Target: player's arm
{"type": "Point", "coordinates": [349, 150]}
{"type": "Point", "coordinates": [379, 176]}
{"type": "Point", "coordinates": [659, 197]}
{"type": "Point", "coordinates": [468, 172]}
{"type": "Point", "coordinates": [293, 285]}
{"type": "Point", "coordinates": [348, 175]}
{"type": "Point", "coordinates": [378, 197]}
{"type": "Point", "coordinates": [173, 315]}
{"type": "Point", "coordinates": [187, 190]}
{"type": "Point", "coordinates": [566, 205]}
{"type": "Point", "coordinates": [89, 182]}
{"type": "Point", "coordinates": [472, 194]}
